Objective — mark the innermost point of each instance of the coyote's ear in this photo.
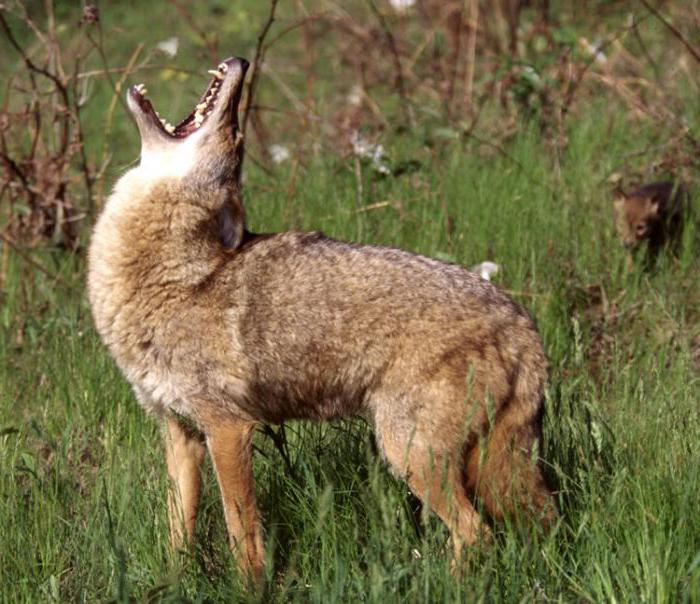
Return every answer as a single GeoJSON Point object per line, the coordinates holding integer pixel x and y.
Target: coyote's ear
{"type": "Point", "coordinates": [231, 224]}
{"type": "Point", "coordinates": [619, 199]}
{"type": "Point", "coordinates": [619, 194]}
{"type": "Point", "coordinates": [654, 203]}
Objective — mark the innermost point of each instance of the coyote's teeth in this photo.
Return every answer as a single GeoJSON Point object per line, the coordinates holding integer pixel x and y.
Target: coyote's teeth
{"type": "Point", "coordinates": [223, 67]}
{"type": "Point", "coordinates": [169, 128]}
{"type": "Point", "coordinates": [141, 89]}
{"type": "Point", "coordinates": [201, 106]}
{"type": "Point", "coordinates": [218, 75]}
{"type": "Point", "coordinates": [198, 119]}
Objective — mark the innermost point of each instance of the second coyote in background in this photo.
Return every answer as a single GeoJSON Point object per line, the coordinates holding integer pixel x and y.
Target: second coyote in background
{"type": "Point", "coordinates": [218, 329]}
{"type": "Point", "coordinates": [653, 214]}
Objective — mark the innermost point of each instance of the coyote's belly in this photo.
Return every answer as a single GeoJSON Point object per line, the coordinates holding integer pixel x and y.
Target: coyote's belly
{"type": "Point", "coordinates": [301, 326]}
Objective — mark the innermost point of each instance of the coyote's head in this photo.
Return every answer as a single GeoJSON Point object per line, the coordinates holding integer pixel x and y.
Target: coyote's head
{"type": "Point", "coordinates": [639, 216]}
{"type": "Point", "coordinates": [200, 157]}
{"type": "Point", "coordinates": [635, 217]}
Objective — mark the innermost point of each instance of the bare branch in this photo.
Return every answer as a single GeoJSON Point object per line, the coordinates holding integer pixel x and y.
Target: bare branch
{"type": "Point", "coordinates": [400, 85]}
{"type": "Point", "coordinates": [29, 260]}
{"type": "Point", "coordinates": [678, 35]}
{"type": "Point", "coordinates": [471, 54]}
{"type": "Point", "coordinates": [210, 44]}
{"type": "Point", "coordinates": [257, 62]}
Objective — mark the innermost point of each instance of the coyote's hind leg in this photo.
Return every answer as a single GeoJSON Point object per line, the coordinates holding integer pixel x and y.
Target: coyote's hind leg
{"type": "Point", "coordinates": [507, 476]}
{"type": "Point", "coordinates": [435, 477]}
{"type": "Point", "coordinates": [230, 444]}
{"type": "Point", "coordinates": [184, 450]}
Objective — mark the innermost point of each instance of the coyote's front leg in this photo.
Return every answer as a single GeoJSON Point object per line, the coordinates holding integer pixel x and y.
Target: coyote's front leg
{"type": "Point", "coordinates": [231, 449]}
{"type": "Point", "coordinates": [184, 453]}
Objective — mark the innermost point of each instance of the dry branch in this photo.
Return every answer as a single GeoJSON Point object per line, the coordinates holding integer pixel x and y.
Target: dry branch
{"type": "Point", "coordinates": [471, 53]}
{"type": "Point", "coordinates": [257, 63]}
{"type": "Point", "coordinates": [393, 48]}
{"type": "Point", "coordinates": [676, 34]}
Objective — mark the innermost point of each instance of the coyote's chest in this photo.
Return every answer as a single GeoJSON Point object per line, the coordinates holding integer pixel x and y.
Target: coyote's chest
{"type": "Point", "coordinates": [139, 319]}
{"type": "Point", "coordinates": [136, 343]}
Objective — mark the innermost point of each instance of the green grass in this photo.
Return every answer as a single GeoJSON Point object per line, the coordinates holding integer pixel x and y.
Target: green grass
{"type": "Point", "coordinates": [82, 476]}
{"type": "Point", "coordinates": [82, 479]}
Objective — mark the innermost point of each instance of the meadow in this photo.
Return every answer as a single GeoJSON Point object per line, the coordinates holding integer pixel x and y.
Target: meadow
{"type": "Point", "coordinates": [82, 475]}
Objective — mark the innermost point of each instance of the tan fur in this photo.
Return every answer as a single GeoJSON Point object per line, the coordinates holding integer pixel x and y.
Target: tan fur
{"type": "Point", "coordinates": [298, 326]}
{"type": "Point", "coordinates": [184, 453]}
{"type": "Point", "coordinates": [652, 214]}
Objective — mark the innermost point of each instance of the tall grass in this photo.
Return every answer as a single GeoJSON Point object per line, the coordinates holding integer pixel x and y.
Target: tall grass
{"type": "Point", "coordinates": [82, 478]}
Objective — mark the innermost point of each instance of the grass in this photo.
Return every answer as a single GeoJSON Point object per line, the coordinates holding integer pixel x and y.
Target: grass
{"type": "Point", "coordinates": [83, 480]}
{"type": "Point", "coordinates": [82, 476]}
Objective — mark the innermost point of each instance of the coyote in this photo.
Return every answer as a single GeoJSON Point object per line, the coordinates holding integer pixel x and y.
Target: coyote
{"type": "Point", "coordinates": [218, 329]}
{"type": "Point", "coordinates": [654, 213]}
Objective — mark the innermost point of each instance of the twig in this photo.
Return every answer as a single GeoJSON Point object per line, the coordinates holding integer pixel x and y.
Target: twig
{"type": "Point", "coordinates": [12, 165]}
{"type": "Point", "coordinates": [116, 97]}
{"type": "Point", "coordinates": [455, 62]}
{"type": "Point", "coordinates": [299, 23]}
{"type": "Point", "coordinates": [80, 135]}
{"type": "Point", "coordinates": [359, 195]}
{"type": "Point", "coordinates": [279, 440]}
{"type": "Point", "coordinates": [375, 206]}
{"type": "Point", "coordinates": [571, 92]}
{"type": "Point", "coordinates": [645, 51]}
{"type": "Point", "coordinates": [259, 163]}
{"type": "Point", "coordinates": [91, 73]}
{"type": "Point", "coordinates": [359, 190]}
{"type": "Point", "coordinates": [4, 262]}
{"type": "Point", "coordinates": [187, 16]}
{"type": "Point", "coordinates": [27, 61]}
{"type": "Point", "coordinates": [32, 67]}
{"type": "Point", "coordinates": [678, 35]}
{"type": "Point", "coordinates": [310, 57]}
{"type": "Point", "coordinates": [100, 50]}
{"type": "Point", "coordinates": [257, 62]}
{"type": "Point", "coordinates": [471, 53]}
{"type": "Point", "coordinates": [286, 91]}
{"type": "Point", "coordinates": [405, 103]}
{"type": "Point", "coordinates": [29, 260]}
{"type": "Point", "coordinates": [292, 184]}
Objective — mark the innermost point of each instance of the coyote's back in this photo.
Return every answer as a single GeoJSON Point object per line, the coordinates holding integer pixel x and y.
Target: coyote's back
{"type": "Point", "coordinates": [227, 329]}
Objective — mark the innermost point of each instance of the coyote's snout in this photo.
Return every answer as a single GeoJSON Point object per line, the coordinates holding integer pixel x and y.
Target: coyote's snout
{"type": "Point", "coordinates": [228, 329]}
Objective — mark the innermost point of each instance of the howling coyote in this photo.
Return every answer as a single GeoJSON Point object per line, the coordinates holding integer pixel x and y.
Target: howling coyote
{"type": "Point", "coordinates": [218, 329]}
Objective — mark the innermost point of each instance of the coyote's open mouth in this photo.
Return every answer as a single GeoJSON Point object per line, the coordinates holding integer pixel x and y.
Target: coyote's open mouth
{"type": "Point", "coordinates": [221, 98]}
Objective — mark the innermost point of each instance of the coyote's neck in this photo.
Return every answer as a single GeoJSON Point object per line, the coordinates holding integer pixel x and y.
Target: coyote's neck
{"type": "Point", "coordinates": [150, 245]}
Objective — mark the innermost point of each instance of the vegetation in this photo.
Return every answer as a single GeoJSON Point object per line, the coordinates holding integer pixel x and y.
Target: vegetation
{"type": "Point", "coordinates": [513, 163]}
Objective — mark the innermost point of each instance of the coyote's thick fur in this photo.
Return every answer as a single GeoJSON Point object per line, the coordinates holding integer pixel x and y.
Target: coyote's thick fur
{"type": "Point", "coordinates": [227, 329]}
